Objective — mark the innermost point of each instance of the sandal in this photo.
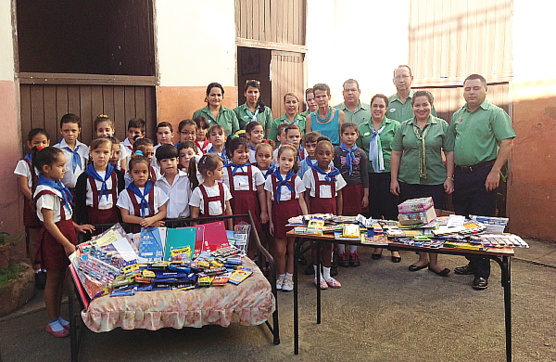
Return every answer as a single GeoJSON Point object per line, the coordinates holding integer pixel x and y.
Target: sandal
{"type": "Point", "coordinates": [323, 284]}
{"type": "Point", "coordinates": [333, 283]}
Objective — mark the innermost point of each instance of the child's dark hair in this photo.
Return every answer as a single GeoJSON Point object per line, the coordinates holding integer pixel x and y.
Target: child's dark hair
{"type": "Point", "coordinates": [311, 137]}
{"type": "Point", "coordinates": [295, 155]}
{"type": "Point", "coordinates": [139, 159]}
{"type": "Point", "coordinates": [136, 123]}
{"type": "Point", "coordinates": [233, 142]}
{"type": "Point", "coordinates": [324, 141]}
{"type": "Point", "coordinates": [281, 127]}
{"type": "Point", "coordinates": [209, 162]}
{"type": "Point", "coordinates": [256, 84]}
{"type": "Point", "coordinates": [142, 141]}
{"type": "Point", "coordinates": [266, 143]}
{"type": "Point", "coordinates": [165, 124]}
{"type": "Point", "coordinates": [186, 122]}
{"type": "Point", "coordinates": [201, 122]}
{"type": "Point", "coordinates": [70, 118]}
{"type": "Point", "coordinates": [45, 157]}
{"type": "Point", "coordinates": [215, 127]}
{"type": "Point", "coordinates": [291, 126]}
{"type": "Point", "coordinates": [166, 151]}
{"type": "Point", "coordinates": [97, 142]}
{"type": "Point", "coordinates": [251, 126]}
{"type": "Point", "coordinates": [114, 140]}
{"type": "Point", "coordinates": [36, 131]}
{"type": "Point", "coordinates": [103, 118]}
{"type": "Point", "coordinates": [347, 125]}
{"type": "Point", "coordinates": [187, 144]}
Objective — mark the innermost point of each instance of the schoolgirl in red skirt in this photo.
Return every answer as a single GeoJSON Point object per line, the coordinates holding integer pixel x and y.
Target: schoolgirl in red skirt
{"type": "Point", "coordinates": [57, 238]}
{"type": "Point", "coordinates": [323, 194]}
{"type": "Point", "coordinates": [212, 197]}
{"type": "Point", "coordinates": [246, 183]}
{"type": "Point", "coordinates": [352, 163]}
{"type": "Point", "coordinates": [284, 194]}
{"type": "Point", "coordinates": [27, 179]}
{"type": "Point", "coordinates": [98, 188]}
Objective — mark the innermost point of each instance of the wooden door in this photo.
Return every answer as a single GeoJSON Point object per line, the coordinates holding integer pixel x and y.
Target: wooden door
{"type": "Point", "coordinates": [286, 75]}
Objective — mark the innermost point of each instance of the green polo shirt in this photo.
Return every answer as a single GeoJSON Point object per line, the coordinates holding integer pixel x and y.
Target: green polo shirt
{"type": "Point", "coordinates": [226, 118]}
{"type": "Point", "coordinates": [402, 111]}
{"type": "Point", "coordinates": [386, 137]}
{"type": "Point", "coordinates": [273, 131]}
{"type": "Point", "coordinates": [361, 114]}
{"type": "Point", "coordinates": [478, 134]}
{"type": "Point", "coordinates": [305, 113]}
{"type": "Point", "coordinates": [243, 117]}
{"type": "Point", "coordinates": [436, 140]}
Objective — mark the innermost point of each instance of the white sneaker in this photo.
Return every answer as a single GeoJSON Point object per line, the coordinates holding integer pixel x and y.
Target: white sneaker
{"type": "Point", "coordinates": [280, 281]}
{"type": "Point", "coordinates": [288, 285]}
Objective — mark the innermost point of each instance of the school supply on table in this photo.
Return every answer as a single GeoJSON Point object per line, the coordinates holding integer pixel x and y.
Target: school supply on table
{"type": "Point", "coordinates": [416, 211]}
{"type": "Point", "coordinates": [180, 243]}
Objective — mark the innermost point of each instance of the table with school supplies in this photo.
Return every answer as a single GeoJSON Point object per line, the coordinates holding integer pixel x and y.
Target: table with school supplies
{"type": "Point", "coordinates": [500, 254]}
{"type": "Point", "coordinates": [200, 280]}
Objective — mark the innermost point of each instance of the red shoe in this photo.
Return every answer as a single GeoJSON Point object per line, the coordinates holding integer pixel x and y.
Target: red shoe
{"type": "Point", "coordinates": [60, 334]}
{"type": "Point", "coordinates": [354, 259]}
{"type": "Point", "coordinates": [343, 260]}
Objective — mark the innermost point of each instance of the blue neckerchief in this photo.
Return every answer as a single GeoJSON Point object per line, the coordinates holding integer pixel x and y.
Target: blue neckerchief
{"type": "Point", "coordinates": [57, 185]}
{"type": "Point", "coordinates": [270, 170]}
{"type": "Point", "coordinates": [76, 157]}
{"type": "Point", "coordinates": [301, 149]}
{"type": "Point", "coordinates": [252, 148]}
{"type": "Point", "coordinates": [350, 156]}
{"type": "Point", "coordinates": [328, 176]}
{"type": "Point", "coordinates": [29, 158]}
{"type": "Point", "coordinates": [222, 154]}
{"type": "Point", "coordinates": [236, 167]}
{"type": "Point", "coordinates": [90, 170]}
{"type": "Point", "coordinates": [144, 204]}
{"type": "Point", "coordinates": [282, 182]}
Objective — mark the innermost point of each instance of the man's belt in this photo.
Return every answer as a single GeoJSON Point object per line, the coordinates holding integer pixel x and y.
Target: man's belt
{"type": "Point", "coordinates": [475, 167]}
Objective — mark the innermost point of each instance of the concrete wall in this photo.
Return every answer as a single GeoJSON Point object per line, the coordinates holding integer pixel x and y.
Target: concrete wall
{"type": "Point", "coordinates": [10, 139]}
{"type": "Point", "coordinates": [532, 185]}
{"type": "Point", "coordinates": [195, 44]}
{"type": "Point", "coordinates": [363, 40]}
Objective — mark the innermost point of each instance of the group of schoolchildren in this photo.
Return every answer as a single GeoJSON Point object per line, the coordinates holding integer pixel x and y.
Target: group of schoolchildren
{"type": "Point", "coordinates": [71, 187]}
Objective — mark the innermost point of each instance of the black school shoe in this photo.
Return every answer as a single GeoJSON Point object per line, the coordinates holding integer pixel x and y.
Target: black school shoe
{"type": "Point", "coordinates": [480, 283]}
{"type": "Point", "coordinates": [40, 280]}
{"type": "Point", "coordinates": [464, 270]}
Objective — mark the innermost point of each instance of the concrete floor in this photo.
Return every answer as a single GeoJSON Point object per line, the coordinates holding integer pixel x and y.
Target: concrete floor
{"type": "Point", "coordinates": [383, 312]}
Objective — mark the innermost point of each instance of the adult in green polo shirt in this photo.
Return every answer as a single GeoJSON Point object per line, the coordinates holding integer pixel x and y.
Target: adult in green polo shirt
{"type": "Point", "coordinates": [253, 109]}
{"type": "Point", "coordinates": [310, 101]}
{"type": "Point", "coordinates": [355, 110]}
{"type": "Point", "coordinates": [375, 138]}
{"type": "Point", "coordinates": [215, 112]}
{"type": "Point", "coordinates": [291, 103]}
{"type": "Point", "coordinates": [400, 107]}
{"type": "Point", "coordinates": [416, 164]}
{"type": "Point", "coordinates": [483, 136]}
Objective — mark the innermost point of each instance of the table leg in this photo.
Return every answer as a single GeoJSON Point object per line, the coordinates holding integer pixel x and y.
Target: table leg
{"type": "Point", "coordinates": [319, 266]}
{"type": "Point", "coordinates": [296, 254]}
{"type": "Point", "coordinates": [506, 283]}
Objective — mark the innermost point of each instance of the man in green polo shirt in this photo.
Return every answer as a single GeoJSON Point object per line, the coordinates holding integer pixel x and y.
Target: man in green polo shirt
{"type": "Point", "coordinates": [355, 110]}
{"type": "Point", "coordinates": [483, 137]}
{"type": "Point", "coordinates": [399, 104]}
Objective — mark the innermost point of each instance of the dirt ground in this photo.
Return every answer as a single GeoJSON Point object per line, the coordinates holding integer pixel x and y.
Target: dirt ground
{"type": "Point", "coordinates": [383, 312]}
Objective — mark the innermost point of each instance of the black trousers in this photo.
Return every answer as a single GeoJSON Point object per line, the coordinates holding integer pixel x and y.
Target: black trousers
{"type": "Point", "coordinates": [471, 198]}
{"type": "Point", "coordinates": [382, 203]}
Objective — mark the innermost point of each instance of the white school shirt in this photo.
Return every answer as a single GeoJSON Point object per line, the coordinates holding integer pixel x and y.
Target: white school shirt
{"type": "Point", "coordinates": [125, 154]}
{"type": "Point", "coordinates": [325, 190]}
{"type": "Point", "coordinates": [127, 144]}
{"type": "Point", "coordinates": [128, 180]}
{"type": "Point", "coordinates": [23, 169]}
{"type": "Point", "coordinates": [241, 182]}
{"type": "Point", "coordinates": [104, 202]}
{"type": "Point", "coordinates": [252, 154]}
{"type": "Point", "coordinates": [70, 178]}
{"type": "Point", "coordinates": [154, 162]}
{"type": "Point", "coordinates": [275, 156]}
{"type": "Point", "coordinates": [203, 150]}
{"type": "Point", "coordinates": [124, 202]}
{"type": "Point", "coordinates": [285, 193]}
{"type": "Point", "coordinates": [51, 202]}
{"type": "Point", "coordinates": [179, 193]}
{"type": "Point", "coordinates": [215, 207]}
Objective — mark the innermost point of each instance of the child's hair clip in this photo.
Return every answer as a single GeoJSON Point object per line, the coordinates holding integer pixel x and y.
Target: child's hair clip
{"type": "Point", "coordinates": [139, 152]}
{"type": "Point", "coordinates": [266, 141]}
{"type": "Point", "coordinates": [234, 136]}
{"type": "Point", "coordinates": [102, 116]}
{"type": "Point", "coordinates": [39, 148]}
{"type": "Point", "coordinates": [241, 131]}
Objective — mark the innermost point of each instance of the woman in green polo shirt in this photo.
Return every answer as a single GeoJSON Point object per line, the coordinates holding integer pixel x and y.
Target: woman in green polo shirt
{"type": "Point", "coordinates": [291, 103]}
{"type": "Point", "coordinates": [254, 108]}
{"type": "Point", "coordinates": [312, 105]}
{"type": "Point", "coordinates": [215, 112]}
{"type": "Point", "coordinates": [416, 164]}
{"type": "Point", "coordinates": [375, 139]}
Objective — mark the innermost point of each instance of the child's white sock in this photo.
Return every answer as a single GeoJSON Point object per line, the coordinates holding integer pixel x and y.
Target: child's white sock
{"type": "Point", "coordinates": [315, 268]}
{"type": "Point", "coordinates": [326, 273]}
{"type": "Point", "coordinates": [289, 276]}
{"type": "Point", "coordinates": [55, 325]}
{"type": "Point", "coordinates": [62, 321]}
{"type": "Point", "coordinates": [353, 249]}
{"type": "Point", "coordinates": [341, 248]}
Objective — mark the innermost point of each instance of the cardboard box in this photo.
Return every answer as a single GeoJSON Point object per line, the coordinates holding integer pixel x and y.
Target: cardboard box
{"type": "Point", "coordinates": [416, 218]}
{"type": "Point", "coordinates": [416, 205]}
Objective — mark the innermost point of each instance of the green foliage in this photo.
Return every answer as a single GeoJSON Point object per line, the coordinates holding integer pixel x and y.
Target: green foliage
{"type": "Point", "coordinates": [10, 273]}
